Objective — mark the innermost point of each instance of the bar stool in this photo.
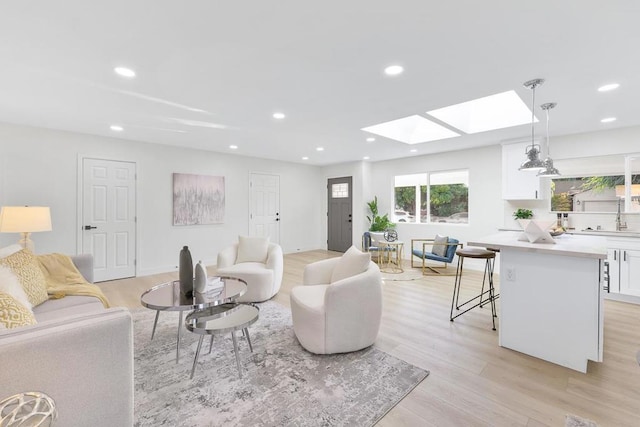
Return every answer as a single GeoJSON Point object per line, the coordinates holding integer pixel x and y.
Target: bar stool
{"type": "Point", "coordinates": [476, 253]}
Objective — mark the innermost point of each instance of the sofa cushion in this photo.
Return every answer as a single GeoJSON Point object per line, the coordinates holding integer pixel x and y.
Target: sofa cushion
{"type": "Point", "coordinates": [68, 306]}
{"type": "Point", "coordinates": [252, 249]}
{"type": "Point", "coordinates": [13, 314]}
{"type": "Point", "coordinates": [247, 269]}
{"type": "Point", "coordinates": [440, 245]}
{"type": "Point", "coordinates": [25, 266]}
{"type": "Point", "coordinates": [351, 263]}
{"type": "Point", "coordinates": [9, 284]}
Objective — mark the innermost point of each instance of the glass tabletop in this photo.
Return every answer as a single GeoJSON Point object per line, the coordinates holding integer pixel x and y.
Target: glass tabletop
{"type": "Point", "coordinates": [167, 296]}
{"type": "Point", "coordinates": [222, 318]}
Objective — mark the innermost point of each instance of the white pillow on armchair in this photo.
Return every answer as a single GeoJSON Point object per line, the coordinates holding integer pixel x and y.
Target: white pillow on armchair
{"type": "Point", "coordinates": [252, 249]}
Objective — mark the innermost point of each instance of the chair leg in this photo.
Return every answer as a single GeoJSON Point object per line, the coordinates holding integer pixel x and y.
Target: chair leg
{"type": "Point", "coordinates": [484, 275]}
{"type": "Point", "coordinates": [459, 277]}
{"type": "Point", "coordinates": [455, 286]}
{"type": "Point", "coordinates": [491, 294]}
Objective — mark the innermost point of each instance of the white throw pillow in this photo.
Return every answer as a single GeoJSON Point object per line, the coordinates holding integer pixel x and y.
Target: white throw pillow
{"type": "Point", "coordinates": [440, 245]}
{"type": "Point", "coordinates": [351, 263]}
{"type": "Point", "coordinates": [10, 250]}
{"type": "Point", "coordinates": [252, 249]}
{"type": "Point", "coordinates": [9, 284]}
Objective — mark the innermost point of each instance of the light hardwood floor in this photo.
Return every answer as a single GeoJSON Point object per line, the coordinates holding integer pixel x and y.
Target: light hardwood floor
{"type": "Point", "coordinates": [473, 381]}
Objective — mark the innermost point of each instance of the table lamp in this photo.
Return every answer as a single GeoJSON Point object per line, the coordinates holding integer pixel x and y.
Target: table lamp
{"type": "Point", "coordinates": [25, 220]}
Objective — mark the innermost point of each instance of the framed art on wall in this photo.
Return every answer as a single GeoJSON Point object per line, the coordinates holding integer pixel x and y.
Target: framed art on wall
{"type": "Point", "coordinates": [198, 199]}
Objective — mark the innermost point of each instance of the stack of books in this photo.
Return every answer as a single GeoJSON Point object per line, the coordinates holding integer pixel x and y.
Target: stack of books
{"type": "Point", "coordinates": [214, 284]}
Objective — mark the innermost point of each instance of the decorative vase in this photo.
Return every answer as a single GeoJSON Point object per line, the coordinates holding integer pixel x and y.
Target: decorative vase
{"type": "Point", "coordinates": [200, 282]}
{"type": "Point", "coordinates": [186, 272]}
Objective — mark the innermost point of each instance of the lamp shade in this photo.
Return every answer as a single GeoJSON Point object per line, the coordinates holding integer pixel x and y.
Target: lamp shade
{"type": "Point", "coordinates": [25, 219]}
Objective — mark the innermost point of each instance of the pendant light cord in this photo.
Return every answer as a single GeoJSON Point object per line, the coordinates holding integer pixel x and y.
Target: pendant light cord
{"type": "Point", "coordinates": [533, 103]}
{"type": "Point", "coordinates": [548, 149]}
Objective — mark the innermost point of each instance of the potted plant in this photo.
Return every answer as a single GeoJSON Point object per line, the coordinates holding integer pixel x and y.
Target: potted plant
{"type": "Point", "coordinates": [376, 221]}
{"type": "Point", "coordinates": [523, 214]}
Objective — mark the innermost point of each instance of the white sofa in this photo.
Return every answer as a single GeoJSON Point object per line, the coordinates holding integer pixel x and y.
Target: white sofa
{"type": "Point", "coordinates": [337, 317]}
{"type": "Point", "coordinates": [263, 278]}
{"type": "Point", "coordinates": [79, 353]}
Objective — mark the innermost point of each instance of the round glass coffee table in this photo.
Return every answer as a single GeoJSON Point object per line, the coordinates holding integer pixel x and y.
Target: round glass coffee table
{"type": "Point", "coordinates": [167, 297]}
{"type": "Point", "coordinates": [219, 320]}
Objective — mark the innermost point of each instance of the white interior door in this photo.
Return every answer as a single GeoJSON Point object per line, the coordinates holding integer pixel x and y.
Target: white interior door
{"type": "Point", "coordinates": [109, 217]}
{"type": "Point", "coordinates": [264, 215]}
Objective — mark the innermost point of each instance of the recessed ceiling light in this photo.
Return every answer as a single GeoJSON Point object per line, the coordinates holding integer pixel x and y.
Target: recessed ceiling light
{"type": "Point", "coordinates": [393, 70]}
{"type": "Point", "coordinates": [608, 87]}
{"type": "Point", "coordinates": [413, 150]}
{"type": "Point", "coordinates": [366, 158]}
{"type": "Point", "coordinates": [320, 149]}
{"type": "Point", "coordinates": [116, 128]}
{"type": "Point", "coordinates": [233, 147]}
{"type": "Point", "coordinates": [279, 116]}
{"type": "Point", "coordinates": [608, 120]}
{"type": "Point", "coordinates": [498, 111]}
{"type": "Point", "coordinates": [125, 72]}
{"type": "Point", "coordinates": [411, 130]}
{"type": "Point", "coordinates": [305, 158]}
{"type": "Point", "coordinates": [370, 139]}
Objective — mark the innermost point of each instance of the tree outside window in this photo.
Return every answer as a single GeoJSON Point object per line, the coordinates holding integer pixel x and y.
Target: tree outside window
{"type": "Point", "coordinates": [436, 197]}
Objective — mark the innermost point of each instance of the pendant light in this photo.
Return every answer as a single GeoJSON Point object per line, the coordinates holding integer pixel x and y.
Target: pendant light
{"type": "Point", "coordinates": [549, 170]}
{"type": "Point", "coordinates": [533, 162]}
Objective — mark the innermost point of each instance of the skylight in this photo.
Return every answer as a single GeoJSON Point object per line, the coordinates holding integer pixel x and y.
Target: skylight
{"type": "Point", "coordinates": [498, 111]}
{"type": "Point", "coordinates": [411, 130]}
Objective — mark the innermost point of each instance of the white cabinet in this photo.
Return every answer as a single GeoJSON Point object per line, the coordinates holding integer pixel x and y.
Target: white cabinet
{"type": "Point", "coordinates": [623, 256]}
{"type": "Point", "coordinates": [517, 184]}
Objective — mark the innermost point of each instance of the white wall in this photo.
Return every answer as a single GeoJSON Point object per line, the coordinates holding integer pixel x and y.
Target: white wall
{"type": "Point", "coordinates": [40, 167]}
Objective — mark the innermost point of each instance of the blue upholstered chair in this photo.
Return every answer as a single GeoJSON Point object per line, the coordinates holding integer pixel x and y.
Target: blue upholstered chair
{"type": "Point", "coordinates": [424, 250]}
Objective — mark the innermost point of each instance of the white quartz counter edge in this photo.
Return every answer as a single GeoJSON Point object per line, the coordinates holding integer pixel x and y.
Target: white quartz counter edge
{"type": "Point", "coordinates": [566, 245]}
{"type": "Point", "coordinates": [608, 233]}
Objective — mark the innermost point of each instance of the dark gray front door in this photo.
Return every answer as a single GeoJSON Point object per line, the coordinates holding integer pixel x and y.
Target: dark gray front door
{"type": "Point", "coordinates": [339, 214]}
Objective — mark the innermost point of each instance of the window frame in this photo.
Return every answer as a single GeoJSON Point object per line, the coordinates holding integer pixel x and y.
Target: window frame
{"type": "Point", "coordinates": [418, 198]}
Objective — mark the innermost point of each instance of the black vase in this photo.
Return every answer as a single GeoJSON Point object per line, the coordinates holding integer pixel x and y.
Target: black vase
{"type": "Point", "coordinates": [185, 272]}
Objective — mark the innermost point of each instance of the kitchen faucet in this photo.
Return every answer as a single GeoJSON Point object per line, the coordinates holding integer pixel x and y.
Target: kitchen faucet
{"type": "Point", "coordinates": [619, 224]}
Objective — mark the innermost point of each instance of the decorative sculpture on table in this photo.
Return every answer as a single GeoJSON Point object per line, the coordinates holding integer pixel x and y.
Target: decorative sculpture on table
{"type": "Point", "coordinates": [185, 272]}
{"type": "Point", "coordinates": [390, 235]}
{"type": "Point", "coordinates": [536, 231]}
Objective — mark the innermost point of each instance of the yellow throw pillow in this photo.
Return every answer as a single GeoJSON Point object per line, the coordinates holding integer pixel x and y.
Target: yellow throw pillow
{"type": "Point", "coordinates": [25, 266]}
{"type": "Point", "coordinates": [13, 314]}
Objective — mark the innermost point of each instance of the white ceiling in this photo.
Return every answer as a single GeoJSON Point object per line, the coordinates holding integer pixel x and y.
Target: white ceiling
{"type": "Point", "coordinates": [204, 63]}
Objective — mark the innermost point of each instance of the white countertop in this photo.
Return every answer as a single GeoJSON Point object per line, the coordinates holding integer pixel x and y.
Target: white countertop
{"type": "Point", "coordinates": [585, 246]}
{"type": "Point", "coordinates": [608, 233]}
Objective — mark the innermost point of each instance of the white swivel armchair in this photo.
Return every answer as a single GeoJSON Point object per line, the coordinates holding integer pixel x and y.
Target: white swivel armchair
{"type": "Point", "coordinates": [255, 261]}
{"type": "Point", "coordinates": [339, 316]}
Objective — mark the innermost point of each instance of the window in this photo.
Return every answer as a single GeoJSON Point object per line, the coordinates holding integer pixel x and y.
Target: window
{"type": "Point", "coordinates": [340, 191]}
{"type": "Point", "coordinates": [594, 193]}
{"type": "Point", "coordinates": [434, 197]}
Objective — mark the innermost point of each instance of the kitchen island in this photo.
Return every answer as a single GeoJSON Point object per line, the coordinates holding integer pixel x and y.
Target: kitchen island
{"type": "Point", "coordinates": [551, 298]}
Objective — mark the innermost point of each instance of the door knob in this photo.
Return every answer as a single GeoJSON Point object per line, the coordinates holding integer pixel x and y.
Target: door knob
{"type": "Point", "coordinates": [89, 227]}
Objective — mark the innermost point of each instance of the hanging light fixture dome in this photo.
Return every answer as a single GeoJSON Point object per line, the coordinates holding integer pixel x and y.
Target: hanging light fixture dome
{"type": "Point", "coordinates": [533, 162]}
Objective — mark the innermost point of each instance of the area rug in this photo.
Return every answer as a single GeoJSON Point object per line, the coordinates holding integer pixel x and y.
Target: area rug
{"type": "Point", "coordinates": [282, 383]}
{"type": "Point", "coordinates": [409, 274]}
{"type": "Point", "coordinates": [575, 421]}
